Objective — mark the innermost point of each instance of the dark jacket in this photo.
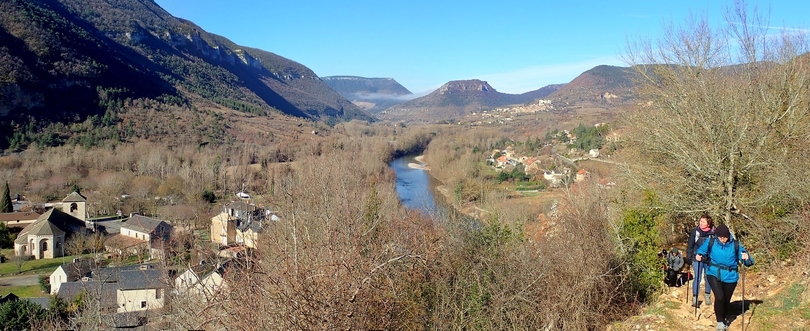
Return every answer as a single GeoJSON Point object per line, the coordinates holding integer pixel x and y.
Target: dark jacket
{"type": "Point", "coordinates": [696, 238]}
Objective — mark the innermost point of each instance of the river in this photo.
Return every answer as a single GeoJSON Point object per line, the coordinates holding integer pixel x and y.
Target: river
{"type": "Point", "coordinates": [414, 187]}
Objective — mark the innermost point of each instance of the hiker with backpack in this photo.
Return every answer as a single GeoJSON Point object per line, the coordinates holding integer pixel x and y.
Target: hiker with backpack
{"type": "Point", "coordinates": [697, 237]}
{"type": "Point", "coordinates": [674, 265]}
{"type": "Point", "coordinates": [722, 255]}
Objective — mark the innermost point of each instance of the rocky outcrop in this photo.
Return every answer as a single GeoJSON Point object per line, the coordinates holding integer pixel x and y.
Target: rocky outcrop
{"type": "Point", "coordinates": [466, 85]}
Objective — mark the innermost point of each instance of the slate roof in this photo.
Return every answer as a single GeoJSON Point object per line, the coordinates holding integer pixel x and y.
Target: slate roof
{"type": "Point", "coordinates": [8, 298]}
{"type": "Point", "coordinates": [105, 293]}
{"type": "Point", "coordinates": [142, 223]}
{"type": "Point", "coordinates": [52, 222]}
{"type": "Point", "coordinates": [78, 269]}
{"type": "Point", "coordinates": [256, 226]}
{"type": "Point", "coordinates": [132, 277]}
{"type": "Point", "coordinates": [142, 279]}
{"type": "Point", "coordinates": [44, 302]}
{"type": "Point", "coordinates": [74, 197]}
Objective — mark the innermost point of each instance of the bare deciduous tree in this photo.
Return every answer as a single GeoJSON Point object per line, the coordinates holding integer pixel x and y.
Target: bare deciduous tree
{"type": "Point", "coordinates": [727, 118]}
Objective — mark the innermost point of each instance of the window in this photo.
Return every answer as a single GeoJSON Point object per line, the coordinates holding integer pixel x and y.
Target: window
{"type": "Point", "coordinates": [73, 207]}
{"type": "Point", "coordinates": [44, 246]}
{"type": "Point", "coordinates": [157, 294]}
{"type": "Point", "coordinates": [143, 304]}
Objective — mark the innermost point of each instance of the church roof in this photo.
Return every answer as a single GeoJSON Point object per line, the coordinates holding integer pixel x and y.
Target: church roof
{"type": "Point", "coordinates": [45, 228]}
{"type": "Point", "coordinates": [74, 197]}
{"type": "Point", "coordinates": [52, 222]}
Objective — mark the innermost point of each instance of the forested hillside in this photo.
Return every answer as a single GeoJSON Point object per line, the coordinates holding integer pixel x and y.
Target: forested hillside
{"type": "Point", "coordinates": [74, 60]}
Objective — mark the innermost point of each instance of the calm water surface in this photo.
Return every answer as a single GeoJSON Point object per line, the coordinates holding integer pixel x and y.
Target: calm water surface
{"type": "Point", "coordinates": [414, 187]}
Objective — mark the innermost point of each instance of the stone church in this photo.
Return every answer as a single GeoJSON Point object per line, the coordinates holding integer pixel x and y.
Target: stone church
{"type": "Point", "coordinates": [45, 237]}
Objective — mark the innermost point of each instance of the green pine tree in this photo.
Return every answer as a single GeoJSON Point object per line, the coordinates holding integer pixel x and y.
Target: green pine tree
{"type": "Point", "coordinates": [5, 202]}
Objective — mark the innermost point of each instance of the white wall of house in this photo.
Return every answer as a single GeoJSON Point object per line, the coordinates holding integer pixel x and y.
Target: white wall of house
{"type": "Point", "coordinates": [140, 300]}
{"type": "Point", "coordinates": [135, 234]}
{"type": "Point", "coordinates": [189, 282]}
{"type": "Point", "coordinates": [58, 277]}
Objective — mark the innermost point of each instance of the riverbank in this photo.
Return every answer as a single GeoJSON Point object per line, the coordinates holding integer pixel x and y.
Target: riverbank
{"type": "Point", "coordinates": [469, 209]}
{"type": "Point", "coordinates": [421, 165]}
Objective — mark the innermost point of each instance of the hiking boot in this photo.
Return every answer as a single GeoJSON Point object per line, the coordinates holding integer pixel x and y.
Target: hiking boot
{"type": "Point", "coordinates": [708, 298]}
{"type": "Point", "coordinates": [722, 326]}
{"type": "Point", "coordinates": [695, 302]}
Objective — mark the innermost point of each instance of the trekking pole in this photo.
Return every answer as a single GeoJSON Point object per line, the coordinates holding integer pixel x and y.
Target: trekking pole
{"type": "Point", "coordinates": [743, 298]}
{"type": "Point", "coordinates": [743, 290]}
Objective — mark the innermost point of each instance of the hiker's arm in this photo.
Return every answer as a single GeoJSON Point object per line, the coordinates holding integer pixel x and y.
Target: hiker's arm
{"type": "Point", "coordinates": [745, 257]}
{"type": "Point", "coordinates": [701, 251]}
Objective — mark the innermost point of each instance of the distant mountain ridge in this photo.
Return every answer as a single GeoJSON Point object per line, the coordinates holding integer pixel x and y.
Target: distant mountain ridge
{"type": "Point", "coordinates": [600, 84]}
{"type": "Point", "coordinates": [459, 98]}
{"type": "Point", "coordinates": [67, 59]}
{"type": "Point", "coordinates": [371, 94]}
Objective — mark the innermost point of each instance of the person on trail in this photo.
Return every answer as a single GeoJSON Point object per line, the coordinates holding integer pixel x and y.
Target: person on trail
{"type": "Point", "coordinates": [722, 255]}
{"type": "Point", "coordinates": [674, 265]}
{"type": "Point", "coordinates": [698, 236]}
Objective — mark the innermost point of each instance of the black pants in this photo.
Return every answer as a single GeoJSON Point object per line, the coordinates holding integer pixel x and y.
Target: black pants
{"type": "Point", "coordinates": [671, 277]}
{"type": "Point", "coordinates": [722, 296]}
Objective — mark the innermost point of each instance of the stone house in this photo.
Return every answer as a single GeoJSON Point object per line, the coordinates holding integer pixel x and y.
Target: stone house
{"type": "Point", "coordinates": [19, 219]}
{"type": "Point", "coordinates": [126, 296]}
{"type": "Point", "coordinates": [204, 280]}
{"type": "Point", "coordinates": [71, 272]}
{"type": "Point", "coordinates": [140, 234]}
{"type": "Point", "coordinates": [240, 223]}
{"type": "Point", "coordinates": [121, 290]}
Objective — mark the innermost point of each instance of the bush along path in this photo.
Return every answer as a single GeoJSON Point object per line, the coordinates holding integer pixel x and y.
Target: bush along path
{"type": "Point", "coordinates": [776, 299]}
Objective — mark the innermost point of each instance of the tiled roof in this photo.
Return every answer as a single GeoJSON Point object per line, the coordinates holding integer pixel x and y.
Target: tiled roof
{"type": "Point", "coordinates": [18, 216]}
{"type": "Point", "coordinates": [120, 241]}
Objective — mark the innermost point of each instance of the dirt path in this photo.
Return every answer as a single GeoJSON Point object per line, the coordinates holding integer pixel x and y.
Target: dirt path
{"type": "Point", "coordinates": [776, 300]}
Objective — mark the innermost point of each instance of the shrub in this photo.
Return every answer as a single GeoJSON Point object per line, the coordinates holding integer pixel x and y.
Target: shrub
{"type": "Point", "coordinates": [44, 283]}
{"type": "Point", "coordinates": [639, 234]}
{"type": "Point", "coordinates": [209, 196]}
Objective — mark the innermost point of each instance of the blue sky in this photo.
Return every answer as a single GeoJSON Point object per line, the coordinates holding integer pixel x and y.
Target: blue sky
{"type": "Point", "coordinates": [516, 46]}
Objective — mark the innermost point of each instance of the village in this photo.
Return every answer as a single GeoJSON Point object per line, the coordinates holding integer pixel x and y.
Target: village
{"type": "Point", "coordinates": [134, 265]}
{"type": "Point", "coordinates": [129, 275]}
